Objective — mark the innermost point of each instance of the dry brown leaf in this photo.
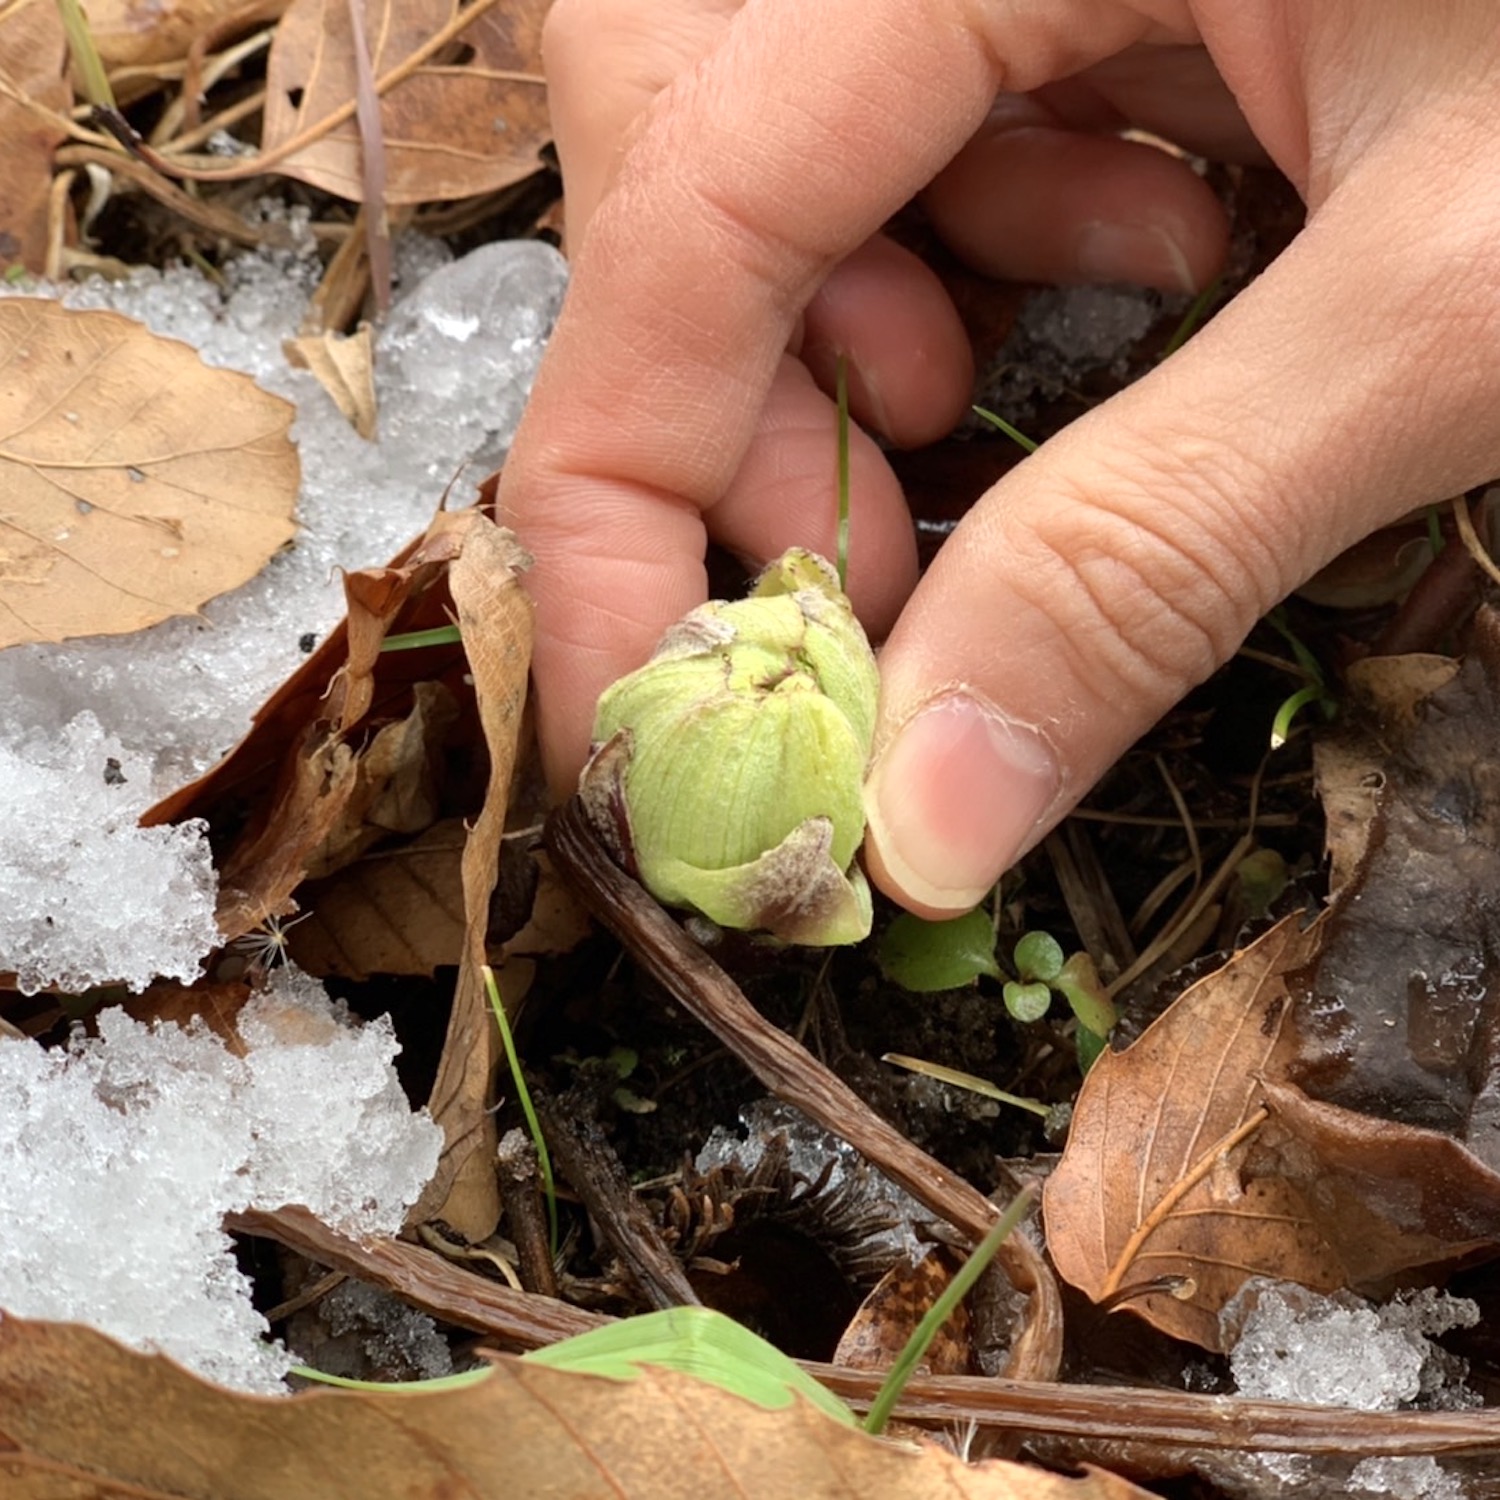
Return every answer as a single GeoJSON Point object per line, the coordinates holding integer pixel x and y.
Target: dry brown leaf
{"type": "Point", "coordinates": [1400, 1016]}
{"type": "Point", "coordinates": [1349, 773]}
{"type": "Point", "coordinates": [451, 131]}
{"type": "Point", "coordinates": [494, 617]}
{"type": "Point", "coordinates": [1390, 1196]}
{"type": "Point", "coordinates": [1151, 1184]}
{"type": "Point", "coordinates": [258, 876]}
{"type": "Point", "coordinates": [889, 1315]}
{"type": "Point", "coordinates": [393, 911]}
{"type": "Point", "coordinates": [88, 1418]}
{"type": "Point", "coordinates": [293, 769]}
{"type": "Point", "coordinates": [557, 923]}
{"type": "Point", "coordinates": [138, 481]}
{"type": "Point", "coordinates": [129, 33]}
{"type": "Point", "coordinates": [345, 367]}
{"type": "Point", "coordinates": [395, 787]}
{"type": "Point", "coordinates": [33, 57]}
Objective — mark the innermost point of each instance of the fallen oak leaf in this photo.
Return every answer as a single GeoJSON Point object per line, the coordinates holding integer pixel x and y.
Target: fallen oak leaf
{"type": "Point", "coordinates": [450, 131]}
{"type": "Point", "coordinates": [75, 1403]}
{"type": "Point", "coordinates": [1150, 1207]}
{"type": "Point", "coordinates": [138, 482]}
{"type": "Point", "coordinates": [33, 56]}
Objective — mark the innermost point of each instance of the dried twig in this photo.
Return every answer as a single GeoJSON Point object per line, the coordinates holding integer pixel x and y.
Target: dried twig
{"type": "Point", "coordinates": [591, 1167]}
{"type": "Point", "coordinates": [793, 1075]}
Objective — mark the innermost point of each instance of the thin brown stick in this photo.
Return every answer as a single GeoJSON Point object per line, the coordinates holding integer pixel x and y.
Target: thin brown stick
{"type": "Point", "coordinates": [592, 1169]}
{"type": "Point", "coordinates": [371, 163]}
{"type": "Point", "coordinates": [793, 1075]}
{"type": "Point", "coordinates": [519, 1172]}
{"type": "Point", "coordinates": [257, 166]}
{"type": "Point", "coordinates": [1169, 1418]}
{"type": "Point", "coordinates": [1173, 1419]}
{"type": "Point", "coordinates": [426, 1280]}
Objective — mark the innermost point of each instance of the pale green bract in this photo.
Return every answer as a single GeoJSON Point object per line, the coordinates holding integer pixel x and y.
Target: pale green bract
{"type": "Point", "coordinates": [727, 771]}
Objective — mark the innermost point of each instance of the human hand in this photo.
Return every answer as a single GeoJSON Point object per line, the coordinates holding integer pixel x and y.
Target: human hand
{"type": "Point", "coordinates": [1115, 569]}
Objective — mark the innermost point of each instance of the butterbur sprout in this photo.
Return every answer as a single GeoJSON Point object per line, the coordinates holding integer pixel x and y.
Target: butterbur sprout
{"type": "Point", "coordinates": [726, 772]}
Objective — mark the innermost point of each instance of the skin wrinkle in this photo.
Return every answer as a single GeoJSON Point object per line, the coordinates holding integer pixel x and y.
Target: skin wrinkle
{"type": "Point", "coordinates": [1207, 477]}
{"type": "Point", "coordinates": [1124, 631]}
{"type": "Point", "coordinates": [769, 191]}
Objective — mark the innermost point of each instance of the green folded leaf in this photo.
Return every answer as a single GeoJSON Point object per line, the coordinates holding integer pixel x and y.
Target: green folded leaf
{"type": "Point", "coordinates": [699, 1342]}
{"type": "Point", "coordinates": [924, 956]}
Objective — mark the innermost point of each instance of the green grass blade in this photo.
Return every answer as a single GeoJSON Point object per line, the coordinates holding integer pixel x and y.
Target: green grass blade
{"type": "Point", "coordinates": [694, 1341]}
{"type": "Point", "coordinates": [413, 640]}
{"type": "Point", "coordinates": [533, 1125]}
{"type": "Point", "coordinates": [941, 1310]}
{"type": "Point", "coordinates": [1193, 317]}
{"type": "Point", "coordinates": [1013, 433]}
{"type": "Point", "coordinates": [842, 560]}
{"type": "Point", "coordinates": [1281, 726]}
{"type": "Point", "coordinates": [96, 87]}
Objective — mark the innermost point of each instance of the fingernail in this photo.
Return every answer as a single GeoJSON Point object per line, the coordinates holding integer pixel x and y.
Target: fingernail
{"type": "Point", "coordinates": [955, 797]}
{"type": "Point", "coordinates": [1147, 254]}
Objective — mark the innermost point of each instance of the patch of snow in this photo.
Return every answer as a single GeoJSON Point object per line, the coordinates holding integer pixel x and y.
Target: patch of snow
{"type": "Point", "coordinates": [120, 1157]}
{"type": "Point", "coordinates": [1291, 1344]}
{"type": "Point", "coordinates": [170, 701]}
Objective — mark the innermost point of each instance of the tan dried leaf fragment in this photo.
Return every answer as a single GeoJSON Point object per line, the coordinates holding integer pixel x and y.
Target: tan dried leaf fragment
{"type": "Point", "coordinates": [1152, 1191]}
{"type": "Point", "coordinates": [77, 1406]}
{"type": "Point", "coordinates": [33, 58]}
{"type": "Point", "coordinates": [137, 482]}
{"type": "Point", "coordinates": [453, 129]}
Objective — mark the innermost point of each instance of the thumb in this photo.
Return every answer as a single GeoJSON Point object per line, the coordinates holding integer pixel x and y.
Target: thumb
{"type": "Point", "coordinates": [1114, 570]}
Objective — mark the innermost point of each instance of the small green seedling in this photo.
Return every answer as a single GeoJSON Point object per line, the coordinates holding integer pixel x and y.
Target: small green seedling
{"type": "Point", "coordinates": [1041, 969]}
{"type": "Point", "coordinates": [925, 957]}
{"type": "Point", "coordinates": [1315, 690]}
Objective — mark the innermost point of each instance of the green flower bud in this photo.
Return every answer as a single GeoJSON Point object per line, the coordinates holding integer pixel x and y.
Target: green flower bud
{"type": "Point", "coordinates": [727, 772]}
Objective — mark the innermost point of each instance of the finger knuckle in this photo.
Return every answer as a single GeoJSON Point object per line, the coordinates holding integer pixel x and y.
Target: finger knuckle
{"type": "Point", "coordinates": [1151, 575]}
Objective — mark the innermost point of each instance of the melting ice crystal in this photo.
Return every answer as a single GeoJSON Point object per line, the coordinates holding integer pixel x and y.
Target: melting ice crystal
{"type": "Point", "coordinates": [120, 1157]}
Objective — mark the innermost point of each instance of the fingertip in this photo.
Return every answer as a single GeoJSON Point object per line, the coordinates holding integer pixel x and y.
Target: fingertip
{"type": "Point", "coordinates": [1042, 204]}
{"type": "Point", "coordinates": [911, 369]}
{"type": "Point", "coordinates": [958, 792]}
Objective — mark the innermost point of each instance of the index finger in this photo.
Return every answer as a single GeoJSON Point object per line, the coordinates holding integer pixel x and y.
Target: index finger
{"type": "Point", "coordinates": [751, 177]}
